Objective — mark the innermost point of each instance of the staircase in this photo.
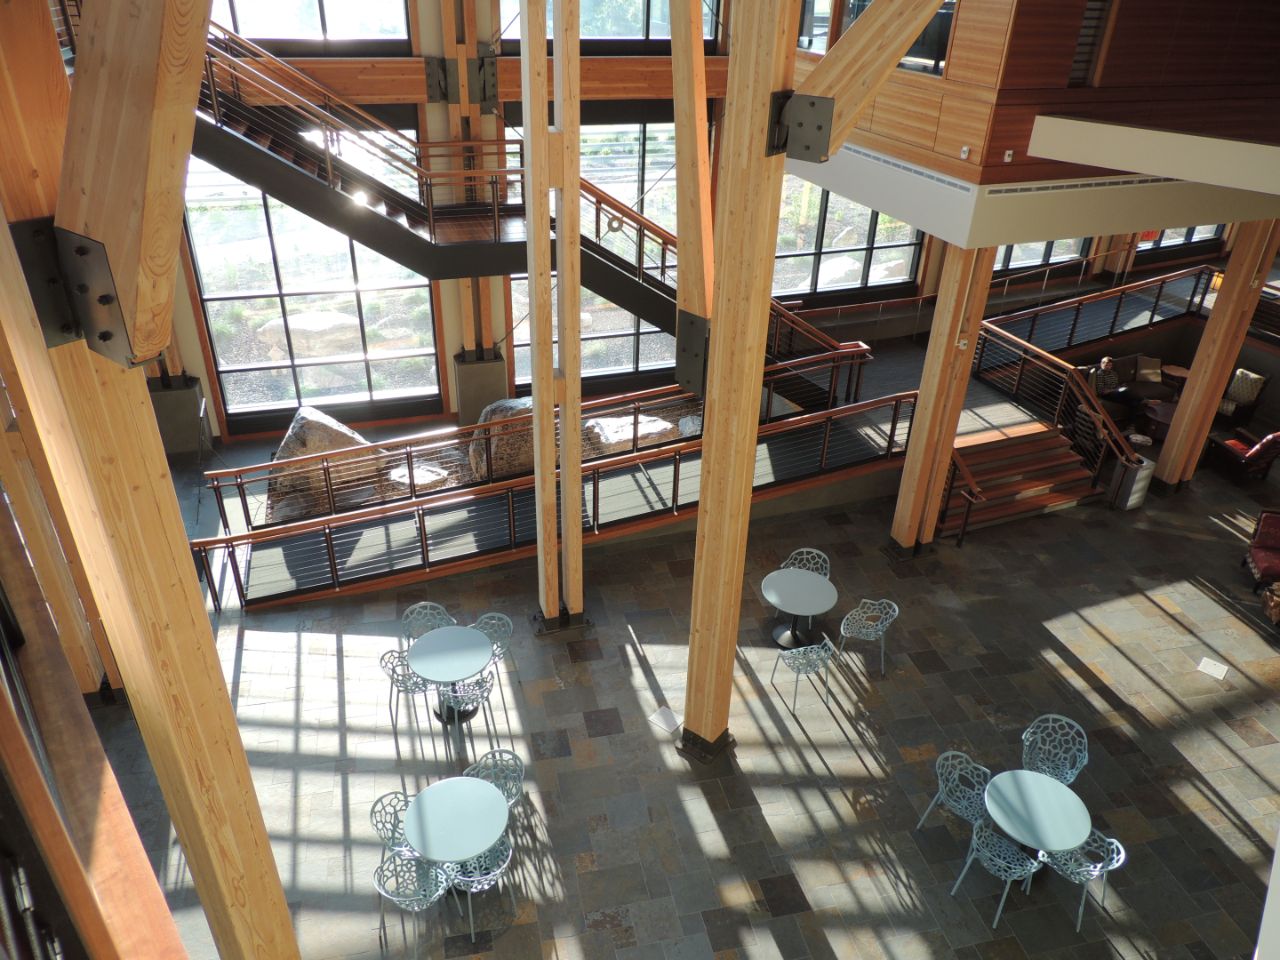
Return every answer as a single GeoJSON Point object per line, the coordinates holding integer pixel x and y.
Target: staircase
{"type": "Point", "coordinates": [1030, 472]}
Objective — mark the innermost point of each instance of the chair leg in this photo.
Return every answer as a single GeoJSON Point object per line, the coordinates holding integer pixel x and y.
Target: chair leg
{"type": "Point", "coordinates": [967, 860]}
{"type": "Point", "coordinates": [929, 809]}
{"type": "Point", "coordinates": [774, 672]}
{"type": "Point", "coordinates": [795, 693]}
{"type": "Point", "coordinates": [826, 680]}
{"type": "Point", "coordinates": [1103, 901]}
{"type": "Point", "coordinates": [471, 917]}
{"type": "Point", "coordinates": [1000, 909]}
{"type": "Point", "coordinates": [1084, 895]}
{"type": "Point", "coordinates": [882, 673]}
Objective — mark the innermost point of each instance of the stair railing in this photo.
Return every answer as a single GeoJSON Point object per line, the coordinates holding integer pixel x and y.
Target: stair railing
{"type": "Point", "coordinates": [1056, 392]}
{"type": "Point", "coordinates": [339, 480]}
{"type": "Point", "coordinates": [969, 491]}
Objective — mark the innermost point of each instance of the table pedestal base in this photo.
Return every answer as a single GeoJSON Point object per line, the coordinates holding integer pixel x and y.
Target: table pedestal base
{"type": "Point", "coordinates": [789, 636]}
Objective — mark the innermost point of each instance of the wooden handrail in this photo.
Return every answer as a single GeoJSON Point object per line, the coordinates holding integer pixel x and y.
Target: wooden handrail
{"type": "Point", "coordinates": [628, 212]}
{"type": "Point", "coordinates": [967, 475]}
{"type": "Point", "coordinates": [448, 498]}
{"type": "Point", "coordinates": [856, 352]}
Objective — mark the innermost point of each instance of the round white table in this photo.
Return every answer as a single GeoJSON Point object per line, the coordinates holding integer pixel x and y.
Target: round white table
{"type": "Point", "coordinates": [455, 819]}
{"type": "Point", "coordinates": [447, 655]}
{"type": "Point", "coordinates": [800, 593]}
{"type": "Point", "coordinates": [1038, 811]}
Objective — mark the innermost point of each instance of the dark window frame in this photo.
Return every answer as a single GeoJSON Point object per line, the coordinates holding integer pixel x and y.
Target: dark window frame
{"type": "Point", "coordinates": [326, 45]}
{"type": "Point", "coordinates": [1004, 257]}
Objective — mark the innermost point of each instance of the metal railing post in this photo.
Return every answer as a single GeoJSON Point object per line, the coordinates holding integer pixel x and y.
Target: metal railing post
{"type": "Point", "coordinates": [214, 108]}
{"type": "Point", "coordinates": [893, 429]}
{"type": "Point", "coordinates": [1155, 304]}
{"type": "Point", "coordinates": [497, 222]}
{"type": "Point", "coordinates": [332, 553]}
{"type": "Point", "coordinates": [595, 500]}
{"type": "Point", "coordinates": [244, 502]}
{"type": "Point", "coordinates": [422, 537]}
{"type": "Point", "coordinates": [826, 442]}
{"type": "Point", "coordinates": [675, 483]}
{"type": "Point", "coordinates": [328, 486]}
{"type": "Point", "coordinates": [216, 486]}
{"type": "Point", "coordinates": [511, 517]}
{"type": "Point", "coordinates": [1075, 322]}
{"type": "Point", "coordinates": [208, 578]}
{"type": "Point", "coordinates": [235, 574]}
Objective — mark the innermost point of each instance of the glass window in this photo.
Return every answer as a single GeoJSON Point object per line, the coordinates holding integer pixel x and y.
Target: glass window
{"type": "Point", "coordinates": [615, 19]}
{"type": "Point", "coordinates": [314, 19]}
{"type": "Point", "coordinates": [854, 245]}
{"type": "Point", "coordinates": [614, 340]}
{"type": "Point", "coordinates": [1021, 256]}
{"type": "Point", "coordinates": [1176, 236]}
{"type": "Point", "coordinates": [822, 21]}
{"type": "Point", "coordinates": [313, 336]}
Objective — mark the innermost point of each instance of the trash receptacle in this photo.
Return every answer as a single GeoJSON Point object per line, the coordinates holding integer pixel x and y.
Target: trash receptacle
{"type": "Point", "coordinates": [1129, 484]}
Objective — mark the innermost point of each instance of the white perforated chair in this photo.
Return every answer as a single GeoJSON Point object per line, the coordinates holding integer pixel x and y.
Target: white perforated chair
{"type": "Point", "coordinates": [811, 559]}
{"type": "Point", "coordinates": [423, 617]}
{"type": "Point", "coordinates": [482, 873]}
{"type": "Point", "coordinates": [962, 784]}
{"type": "Point", "coordinates": [805, 661]}
{"type": "Point", "coordinates": [386, 816]}
{"type": "Point", "coordinates": [1094, 858]}
{"type": "Point", "coordinates": [1002, 858]}
{"type": "Point", "coordinates": [414, 886]}
{"type": "Point", "coordinates": [504, 769]}
{"type": "Point", "coordinates": [869, 620]}
{"type": "Point", "coordinates": [1056, 746]}
{"type": "Point", "coordinates": [499, 629]}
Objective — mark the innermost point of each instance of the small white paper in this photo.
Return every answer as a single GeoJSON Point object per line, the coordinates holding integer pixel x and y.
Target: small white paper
{"type": "Point", "coordinates": [665, 720]}
{"type": "Point", "coordinates": [1213, 668]}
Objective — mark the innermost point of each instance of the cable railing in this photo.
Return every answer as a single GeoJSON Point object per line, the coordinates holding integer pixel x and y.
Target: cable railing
{"type": "Point", "coordinates": [1055, 392]}
{"type": "Point", "coordinates": [66, 22]}
{"type": "Point", "coordinates": [324, 555]}
{"type": "Point", "coordinates": [281, 491]}
{"type": "Point", "coordinates": [960, 480]}
{"type": "Point", "coordinates": [1101, 315]}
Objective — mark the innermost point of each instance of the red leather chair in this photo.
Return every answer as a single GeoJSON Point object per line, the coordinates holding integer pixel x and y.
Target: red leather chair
{"type": "Point", "coordinates": [1246, 455]}
{"type": "Point", "coordinates": [1263, 556]}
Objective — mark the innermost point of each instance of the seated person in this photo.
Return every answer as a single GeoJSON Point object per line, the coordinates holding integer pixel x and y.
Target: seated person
{"type": "Point", "coordinates": [1107, 386]}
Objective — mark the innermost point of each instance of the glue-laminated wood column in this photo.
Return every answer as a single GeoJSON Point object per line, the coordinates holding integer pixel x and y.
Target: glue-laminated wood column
{"type": "Point", "coordinates": [538, 172]}
{"type": "Point", "coordinates": [96, 447]}
{"type": "Point", "coordinates": [565, 158]}
{"type": "Point", "coordinates": [693, 184]}
{"type": "Point", "coordinates": [1251, 258]}
{"type": "Point", "coordinates": [760, 63]}
{"type": "Point", "coordinates": [957, 320]}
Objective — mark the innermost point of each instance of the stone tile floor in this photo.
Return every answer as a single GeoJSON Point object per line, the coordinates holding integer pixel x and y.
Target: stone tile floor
{"type": "Point", "coordinates": [802, 844]}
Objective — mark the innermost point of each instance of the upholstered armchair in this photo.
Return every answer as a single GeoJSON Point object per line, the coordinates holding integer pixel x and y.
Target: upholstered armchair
{"type": "Point", "coordinates": [1246, 456]}
{"type": "Point", "coordinates": [1263, 555]}
{"type": "Point", "coordinates": [1241, 398]}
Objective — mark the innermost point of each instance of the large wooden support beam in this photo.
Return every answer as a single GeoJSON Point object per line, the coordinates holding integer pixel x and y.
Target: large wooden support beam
{"type": "Point", "coordinates": [763, 54]}
{"type": "Point", "coordinates": [861, 61]}
{"type": "Point", "coordinates": [134, 914]}
{"type": "Point", "coordinates": [957, 320]}
{"type": "Point", "coordinates": [693, 162]}
{"type": "Point", "coordinates": [138, 68]}
{"type": "Point", "coordinates": [538, 174]}
{"type": "Point", "coordinates": [95, 446]}
{"type": "Point", "coordinates": [566, 162]}
{"type": "Point", "coordinates": [1251, 258]}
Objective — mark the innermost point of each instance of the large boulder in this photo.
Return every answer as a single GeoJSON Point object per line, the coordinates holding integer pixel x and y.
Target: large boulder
{"type": "Point", "coordinates": [299, 491]}
{"type": "Point", "coordinates": [512, 445]}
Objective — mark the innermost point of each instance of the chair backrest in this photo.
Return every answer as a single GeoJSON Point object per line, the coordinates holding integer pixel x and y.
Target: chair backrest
{"type": "Point", "coordinates": [424, 616]}
{"type": "Point", "coordinates": [869, 619]}
{"type": "Point", "coordinates": [807, 558]}
{"type": "Point", "coordinates": [409, 883]}
{"type": "Point", "coordinates": [809, 659]}
{"type": "Point", "coordinates": [1099, 854]}
{"type": "Point", "coordinates": [1055, 745]}
{"type": "Point", "coordinates": [469, 693]}
{"type": "Point", "coordinates": [387, 817]}
{"type": "Point", "coordinates": [962, 782]}
{"type": "Point", "coordinates": [1267, 532]}
{"type": "Point", "coordinates": [999, 855]}
{"type": "Point", "coordinates": [497, 627]}
{"type": "Point", "coordinates": [395, 664]}
{"type": "Point", "coordinates": [1263, 452]}
{"type": "Point", "coordinates": [483, 871]}
{"type": "Point", "coordinates": [1245, 386]}
{"type": "Point", "coordinates": [503, 768]}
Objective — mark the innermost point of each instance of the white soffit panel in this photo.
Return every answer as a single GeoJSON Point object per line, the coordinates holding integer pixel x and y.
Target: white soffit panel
{"type": "Point", "coordinates": [1238, 164]}
{"type": "Point", "coordinates": [970, 215]}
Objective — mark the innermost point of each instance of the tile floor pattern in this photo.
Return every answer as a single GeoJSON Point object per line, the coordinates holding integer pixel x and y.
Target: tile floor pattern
{"type": "Point", "coordinates": [803, 843]}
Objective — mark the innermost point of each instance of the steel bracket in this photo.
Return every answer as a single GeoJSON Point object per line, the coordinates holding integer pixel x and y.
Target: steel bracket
{"type": "Point", "coordinates": [72, 289]}
{"type": "Point", "coordinates": [483, 78]}
{"type": "Point", "coordinates": [800, 126]}
{"type": "Point", "coordinates": [437, 80]}
{"type": "Point", "coordinates": [692, 333]}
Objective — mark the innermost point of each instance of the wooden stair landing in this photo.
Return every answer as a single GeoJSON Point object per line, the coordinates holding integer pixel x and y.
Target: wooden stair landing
{"type": "Point", "coordinates": [1023, 472]}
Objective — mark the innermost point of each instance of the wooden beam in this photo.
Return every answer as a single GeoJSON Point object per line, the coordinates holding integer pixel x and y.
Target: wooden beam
{"type": "Point", "coordinates": [537, 217]}
{"type": "Point", "coordinates": [619, 78]}
{"type": "Point", "coordinates": [134, 913]}
{"type": "Point", "coordinates": [957, 319]}
{"type": "Point", "coordinates": [1224, 333]}
{"type": "Point", "coordinates": [862, 60]}
{"type": "Point", "coordinates": [568, 111]}
{"type": "Point", "coordinates": [764, 46]}
{"type": "Point", "coordinates": [129, 133]}
{"type": "Point", "coordinates": [97, 450]}
{"type": "Point", "coordinates": [694, 251]}
{"type": "Point", "coordinates": [41, 543]}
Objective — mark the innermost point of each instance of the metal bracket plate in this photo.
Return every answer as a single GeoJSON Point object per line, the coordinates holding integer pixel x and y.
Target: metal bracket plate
{"type": "Point", "coordinates": [92, 292]}
{"type": "Point", "coordinates": [800, 126]}
{"type": "Point", "coordinates": [37, 248]}
{"type": "Point", "coordinates": [484, 79]}
{"type": "Point", "coordinates": [437, 83]}
{"type": "Point", "coordinates": [691, 351]}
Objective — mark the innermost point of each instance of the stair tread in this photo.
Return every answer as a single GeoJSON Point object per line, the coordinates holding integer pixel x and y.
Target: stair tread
{"type": "Point", "coordinates": [1025, 488]}
{"type": "Point", "coordinates": [1012, 509]}
{"type": "Point", "coordinates": [1001, 469]}
{"type": "Point", "coordinates": [1011, 450]}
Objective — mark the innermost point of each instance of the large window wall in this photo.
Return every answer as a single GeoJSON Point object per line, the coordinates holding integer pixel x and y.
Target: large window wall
{"type": "Point", "coordinates": [616, 19]}
{"type": "Point", "coordinates": [822, 22]}
{"type": "Point", "coordinates": [615, 342]}
{"type": "Point", "coordinates": [635, 163]}
{"type": "Point", "coordinates": [314, 19]}
{"type": "Point", "coordinates": [1024, 256]}
{"type": "Point", "coordinates": [1177, 236]}
{"type": "Point", "coordinates": [300, 314]}
{"type": "Point", "coordinates": [828, 242]}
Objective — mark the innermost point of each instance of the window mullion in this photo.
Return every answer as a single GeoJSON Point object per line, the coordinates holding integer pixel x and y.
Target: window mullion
{"type": "Point", "coordinates": [364, 340]}
{"type": "Point", "coordinates": [284, 312]}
